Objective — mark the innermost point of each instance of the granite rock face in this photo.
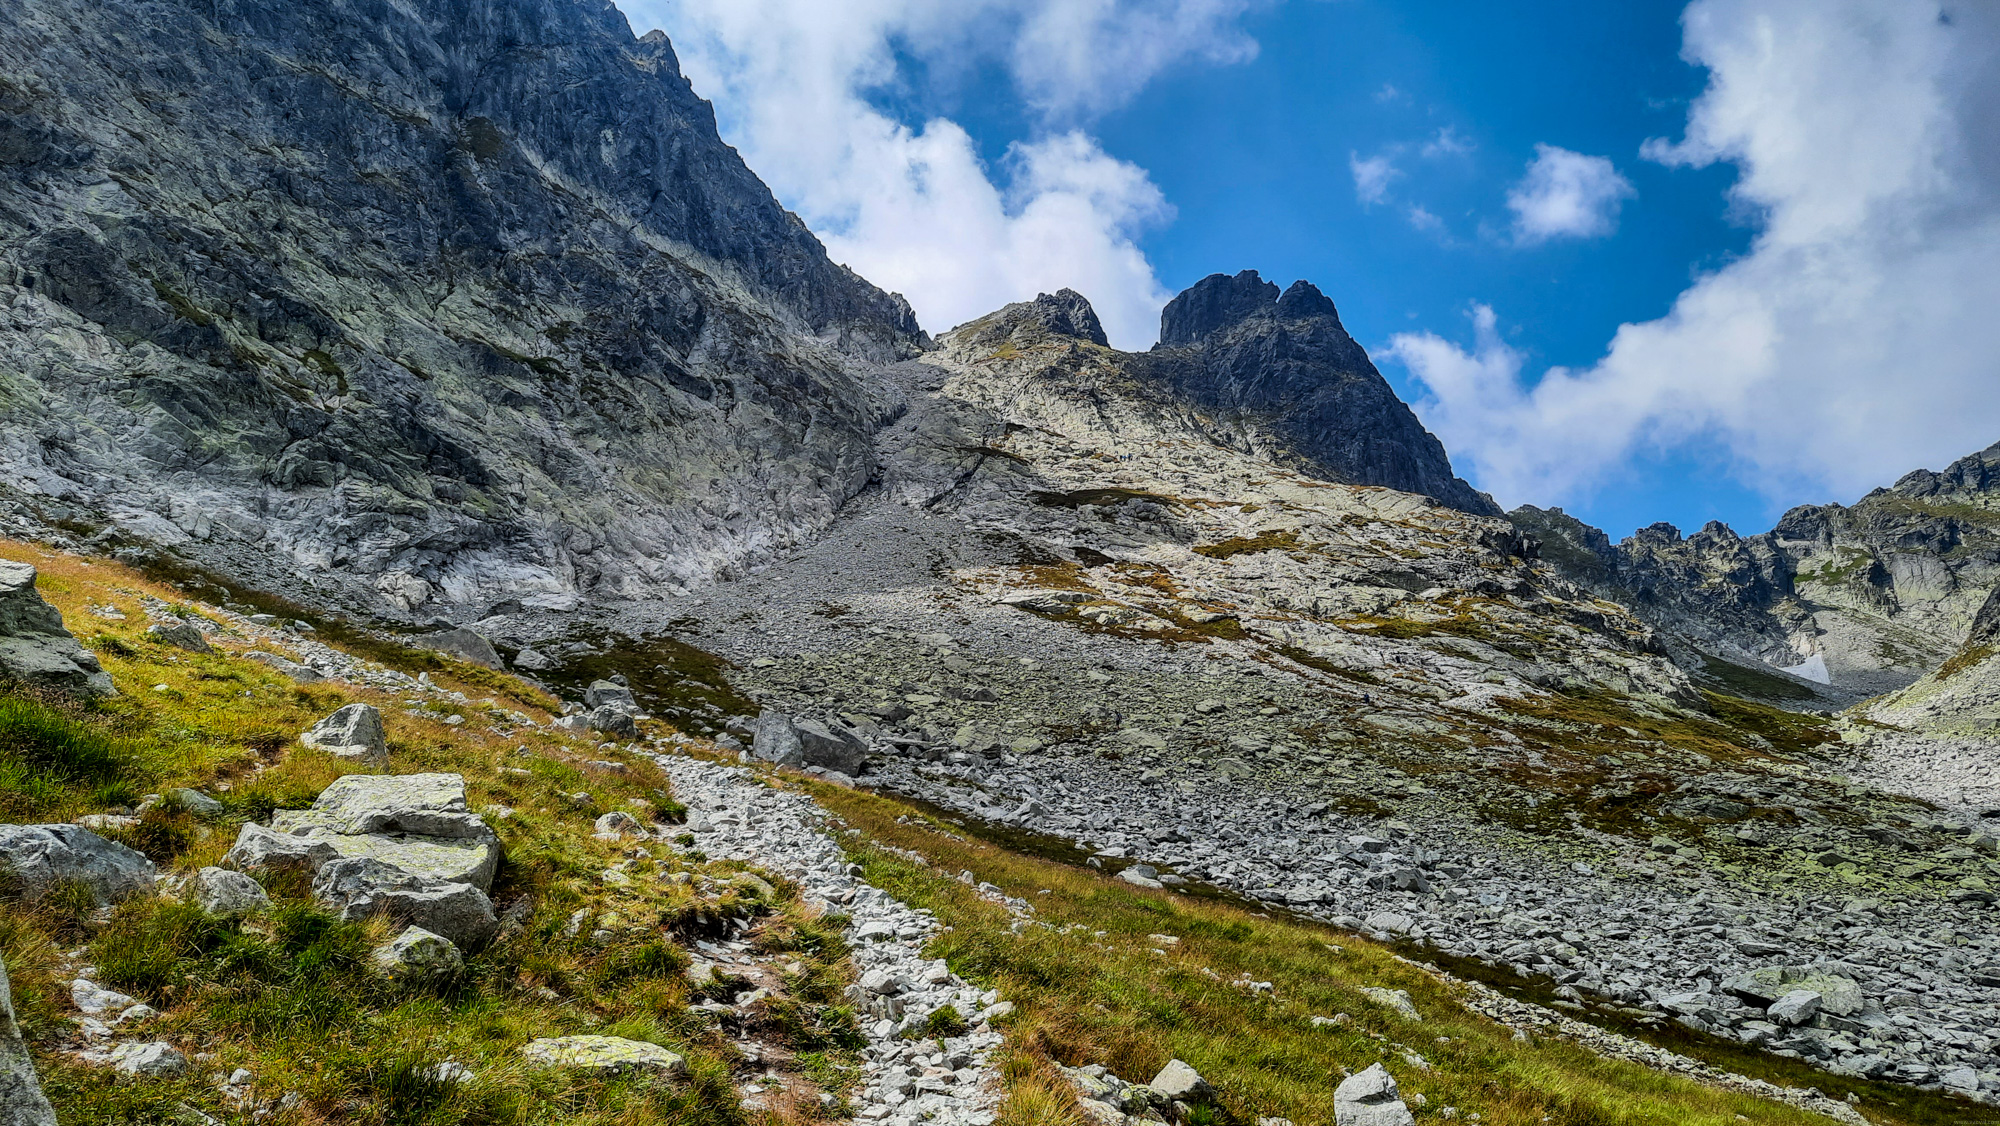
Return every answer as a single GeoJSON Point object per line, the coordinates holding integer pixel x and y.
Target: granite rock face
{"type": "Point", "coordinates": [1279, 375]}
{"type": "Point", "coordinates": [35, 647]}
{"type": "Point", "coordinates": [1862, 599]}
{"type": "Point", "coordinates": [411, 305]}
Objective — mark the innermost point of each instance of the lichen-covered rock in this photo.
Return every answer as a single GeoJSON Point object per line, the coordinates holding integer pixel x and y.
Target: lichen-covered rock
{"type": "Point", "coordinates": [363, 888]}
{"type": "Point", "coordinates": [1370, 1098]}
{"type": "Point", "coordinates": [353, 732]}
{"type": "Point", "coordinates": [618, 825]}
{"type": "Point", "coordinates": [604, 1055]}
{"type": "Point", "coordinates": [34, 646]}
{"type": "Point", "coordinates": [1840, 996]}
{"type": "Point", "coordinates": [416, 822]}
{"type": "Point", "coordinates": [38, 857]}
{"type": "Point", "coordinates": [180, 635]}
{"type": "Point", "coordinates": [220, 891]}
{"type": "Point", "coordinates": [418, 955]}
{"type": "Point", "coordinates": [21, 1100]}
{"type": "Point", "coordinates": [259, 848]}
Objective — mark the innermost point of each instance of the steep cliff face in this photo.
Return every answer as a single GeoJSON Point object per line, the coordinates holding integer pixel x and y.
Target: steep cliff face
{"type": "Point", "coordinates": [1281, 378]}
{"type": "Point", "coordinates": [416, 303]}
{"type": "Point", "coordinates": [1865, 598]}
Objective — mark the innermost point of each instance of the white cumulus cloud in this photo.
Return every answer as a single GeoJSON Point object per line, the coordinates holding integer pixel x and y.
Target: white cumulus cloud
{"type": "Point", "coordinates": [1566, 195]}
{"type": "Point", "coordinates": [1854, 341]}
{"type": "Point", "coordinates": [914, 207]}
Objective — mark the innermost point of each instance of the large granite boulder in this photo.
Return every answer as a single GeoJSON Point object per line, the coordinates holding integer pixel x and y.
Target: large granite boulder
{"type": "Point", "coordinates": [830, 746]}
{"type": "Point", "coordinates": [466, 645]}
{"type": "Point", "coordinates": [414, 822]}
{"type": "Point", "coordinates": [36, 858]}
{"type": "Point", "coordinates": [773, 740]}
{"type": "Point", "coordinates": [1370, 1098]}
{"type": "Point", "coordinates": [353, 732]}
{"type": "Point", "coordinates": [362, 888]}
{"type": "Point", "coordinates": [34, 646]}
{"type": "Point", "coordinates": [21, 1100]}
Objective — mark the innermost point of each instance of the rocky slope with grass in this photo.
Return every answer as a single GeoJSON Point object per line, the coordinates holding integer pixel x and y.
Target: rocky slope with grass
{"type": "Point", "coordinates": [407, 306]}
{"type": "Point", "coordinates": [1859, 599]}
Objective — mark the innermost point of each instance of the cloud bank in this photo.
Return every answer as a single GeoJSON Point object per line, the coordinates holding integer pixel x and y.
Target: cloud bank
{"type": "Point", "coordinates": [915, 208]}
{"type": "Point", "coordinates": [1856, 339]}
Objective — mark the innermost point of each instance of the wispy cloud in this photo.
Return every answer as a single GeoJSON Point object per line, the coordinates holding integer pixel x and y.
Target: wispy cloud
{"type": "Point", "coordinates": [1372, 176]}
{"type": "Point", "coordinates": [1567, 195]}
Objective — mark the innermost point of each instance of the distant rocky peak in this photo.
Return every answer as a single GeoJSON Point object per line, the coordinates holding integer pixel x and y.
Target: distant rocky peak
{"type": "Point", "coordinates": [1218, 302]}
{"type": "Point", "coordinates": [1066, 313]}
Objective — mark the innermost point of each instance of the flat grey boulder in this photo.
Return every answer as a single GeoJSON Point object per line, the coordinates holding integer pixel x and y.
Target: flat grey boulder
{"type": "Point", "coordinates": [1796, 1007]}
{"type": "Point", "coordinates": [220, 891]}
{"type": "Point", "coordinates": [416, 822]}
{"type": "Point", "coordinates": [353, 732]}
{"type": "Point", "coordinates": [363, 888]}
{"type": "Point", "coordinates": [1370, 1098]}
{"type": "Point", "coordinates": [196, 802]}
{"type": "Point", "coordinates": [604, 1055]}
{"type": "Point", "coordinates": [38, 857]}
{"type": "Point", "coordinates": [21, 1100]}
{"type": "Point", "coordinates": [1839, 996]}
{"type": "Point", "coordinates": [466, 645]}
{"type": "Point", "coordinates": [830, 746]}
{"type": "Point", "coordinates": [34, 646]}
{"type": "Point", "coordinates": [773, 740]}
{"type": "Point", "coordinates": [418, 955]}
{"type": "Point", "coordinates": [260, 849]}
{"type": "Point", "coordinates": [302, 674]}
{"type": "Point", "coordinates": [155, 1060]}
{"type": "Point", "coordinates": [180, 635]}
{"type": "Point", "coordinates": [603, 692]}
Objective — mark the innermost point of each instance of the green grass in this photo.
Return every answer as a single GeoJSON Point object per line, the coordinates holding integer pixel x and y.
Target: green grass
{"type": "Point", "coordinates": [290, 994]}
{"type": "Point", "coordinates": [1092, 990]}
{"type": "Point", "coordinates": [1743, 680]}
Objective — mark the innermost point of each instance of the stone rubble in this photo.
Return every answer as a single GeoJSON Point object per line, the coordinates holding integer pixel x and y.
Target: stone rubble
{"type": "Point", "coordinates": [732, 815]}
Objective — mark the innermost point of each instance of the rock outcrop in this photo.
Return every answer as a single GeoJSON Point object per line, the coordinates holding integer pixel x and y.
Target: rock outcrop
{"type": "Point", "coordinates": [1863, 598]}
{"type": "Point", "coordinates": [35, 648]}
{"type": "Point", "coordinates": [1280, 376]}
{"type": "Point", "coordinates": [21, 1100]}
{"type": "Point", "coordinates": [415, 822]}
{"type": "Point", "coordinates": [411, 305]}
{"type": "Point", "coordinates": [352, 732]}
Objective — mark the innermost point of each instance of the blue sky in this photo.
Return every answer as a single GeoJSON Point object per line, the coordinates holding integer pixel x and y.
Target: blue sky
{"type": "Point", "coordinates": [1801, 261]}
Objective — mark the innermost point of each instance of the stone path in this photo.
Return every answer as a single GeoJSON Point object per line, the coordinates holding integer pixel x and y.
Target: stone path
{"type": "Point", "coordinates": [734, 816]}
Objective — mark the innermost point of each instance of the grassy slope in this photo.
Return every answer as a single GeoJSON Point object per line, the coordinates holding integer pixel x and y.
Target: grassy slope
{"type": "Point", "coordinates": [1093, 990]}
{"type": "Point", "coordinates": [290, 996]}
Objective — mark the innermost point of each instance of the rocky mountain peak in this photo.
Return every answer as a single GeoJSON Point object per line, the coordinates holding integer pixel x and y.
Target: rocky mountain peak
{"type": "Point", "coordinates": [1212, 304]}
{"type": "Point", "coordinates": [1066, 313]}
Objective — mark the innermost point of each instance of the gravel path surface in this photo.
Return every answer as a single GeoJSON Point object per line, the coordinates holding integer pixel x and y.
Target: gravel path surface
{"type": "Point", "coordinates": [734, 816]}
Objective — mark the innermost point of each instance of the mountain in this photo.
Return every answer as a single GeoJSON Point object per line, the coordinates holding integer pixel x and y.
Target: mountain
{"type": "Point", "coordinates": [403, 306]}
{"type": "Point", "coordinates": [1280, 377]}
{"type": "Point", "coordinates": [1862, 599]}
